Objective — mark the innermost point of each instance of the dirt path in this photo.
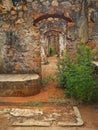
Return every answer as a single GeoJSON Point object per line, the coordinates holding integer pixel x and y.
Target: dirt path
{"type": "Point", "coordinates": [90, 116]}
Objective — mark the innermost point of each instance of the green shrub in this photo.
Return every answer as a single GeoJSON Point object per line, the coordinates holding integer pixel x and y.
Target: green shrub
{"type": "Point", "coordinates": [77, 74]}
{"type": "Point", "coordinates": [51, 51]}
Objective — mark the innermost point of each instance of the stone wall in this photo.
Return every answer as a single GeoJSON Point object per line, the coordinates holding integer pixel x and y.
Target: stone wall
{"type": "Point", "coordinates": [20, 42]}
{"type": "Point", "coordinates": [22, 26]}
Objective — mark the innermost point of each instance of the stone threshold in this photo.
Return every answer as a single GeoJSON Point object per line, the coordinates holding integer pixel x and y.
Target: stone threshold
{"type": "Point", "coordinates": [27, 118]}
{"type": "Point", "coordinates": [32, 123]}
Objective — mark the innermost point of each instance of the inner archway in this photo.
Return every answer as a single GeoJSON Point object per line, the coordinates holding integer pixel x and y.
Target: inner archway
{"type": "Point", "coordinates": [53, 31]}
{"type": "Point", "coordinates": [53, 43]}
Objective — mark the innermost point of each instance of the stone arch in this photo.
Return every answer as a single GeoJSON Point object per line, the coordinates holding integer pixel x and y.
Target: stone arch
{"type": "Point", "coordinates": [59, 39]}
{"type": "Point", "coordinates": [54, 15]}
{"type": "Point", "coordinates": [53, 29]}
{"type": "Point", "coordinates": [61, 30]}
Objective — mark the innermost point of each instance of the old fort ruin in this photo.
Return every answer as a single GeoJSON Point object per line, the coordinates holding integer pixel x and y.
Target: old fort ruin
{"type": "Point", "coordinates": [29, 27]}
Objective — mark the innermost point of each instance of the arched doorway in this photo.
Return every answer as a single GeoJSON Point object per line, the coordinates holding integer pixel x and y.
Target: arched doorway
{"type": "Point", "coordinates": [52, 29]}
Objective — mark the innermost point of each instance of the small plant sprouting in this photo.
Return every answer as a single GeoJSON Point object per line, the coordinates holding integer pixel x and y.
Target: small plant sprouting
{"type": "Point", "coordinates": [47, 79]}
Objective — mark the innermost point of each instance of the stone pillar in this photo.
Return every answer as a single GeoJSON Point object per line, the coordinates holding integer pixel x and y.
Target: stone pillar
{"type": "Point", "coordinates": [3, 52]}
{"type": "Point", "coordinates": [47, 46]}
{"type": "Point", "coordinates": [61, 44]}
{"type": "Point", "coordinates": [83, 30]}
{"type": "Point", "coordinates": [95, 34]}
{"type": "Point", "coordinates": [43, 49]}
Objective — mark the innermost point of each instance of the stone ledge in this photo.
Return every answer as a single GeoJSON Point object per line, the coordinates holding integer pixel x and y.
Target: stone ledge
{"type": "Point", "coordinates": [17, 77]}
{"type": "Point", "coordinates": [19, 84]}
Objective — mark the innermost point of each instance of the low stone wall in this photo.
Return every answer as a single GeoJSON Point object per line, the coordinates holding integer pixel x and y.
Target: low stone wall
{"type": "Point", "coordinates": [19, 85]}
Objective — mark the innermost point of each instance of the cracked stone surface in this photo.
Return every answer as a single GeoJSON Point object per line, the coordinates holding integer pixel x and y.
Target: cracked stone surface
{"type": "Point", "coordinates": [43, 117]}
{"type": "Point", "coordinates": [25, 112]}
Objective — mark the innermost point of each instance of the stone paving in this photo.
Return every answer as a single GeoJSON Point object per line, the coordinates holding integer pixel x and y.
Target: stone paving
{"type": "Point", "coordinates": [89, 114]}
{"type": "Point", "coordinates": [18, 117]}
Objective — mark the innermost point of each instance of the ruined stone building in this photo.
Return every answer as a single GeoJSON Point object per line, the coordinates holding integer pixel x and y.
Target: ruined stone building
{"type": "Point", "coordinates": [29, 27]}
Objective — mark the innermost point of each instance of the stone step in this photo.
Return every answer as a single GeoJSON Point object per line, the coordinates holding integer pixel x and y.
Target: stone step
{"type": "Point", "coordinates": [19, 84]}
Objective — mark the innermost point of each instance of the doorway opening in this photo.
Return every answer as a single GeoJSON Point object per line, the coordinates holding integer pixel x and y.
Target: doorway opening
{"type": "Point", "coordinates": [52, 28]}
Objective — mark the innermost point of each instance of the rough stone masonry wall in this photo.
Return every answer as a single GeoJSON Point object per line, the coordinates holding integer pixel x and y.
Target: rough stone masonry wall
{"type": "Point", "coordinates": [19, 42]}
{"type": "Point", "coordinates": [21, 27]}
{"type": "Point", "coordinates": [84, 26]}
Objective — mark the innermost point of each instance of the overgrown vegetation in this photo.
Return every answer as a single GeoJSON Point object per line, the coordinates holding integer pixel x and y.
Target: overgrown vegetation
{"type": "Point", "coordinates": [76, 75]}
{"type": "Point", "coordinates": [47, 79]}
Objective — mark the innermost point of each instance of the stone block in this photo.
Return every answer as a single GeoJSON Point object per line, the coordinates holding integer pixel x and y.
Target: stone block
{"type": "Point", "coordinates": [13, 12]}
{"type": "Point", "coordinates": [13, 17]}
{"type": "Point", "coordinates": [25, 8]}
{"type": "Point", "coordinates": [19, 84]}
{"type": "Point", "coordinates": [5, 26]}
{"type": "Point", "coordinates": [55, 3]}
{"type": "Point", "coordinates": [20, 21]}
{"type": "Point", "coordinates": [20, 14]}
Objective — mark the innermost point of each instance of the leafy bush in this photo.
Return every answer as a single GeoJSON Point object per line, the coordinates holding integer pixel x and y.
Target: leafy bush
{"type": "Point", "coordinates": [77, 74]}
{"type": "Point", "coordinates": [51, 51]}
